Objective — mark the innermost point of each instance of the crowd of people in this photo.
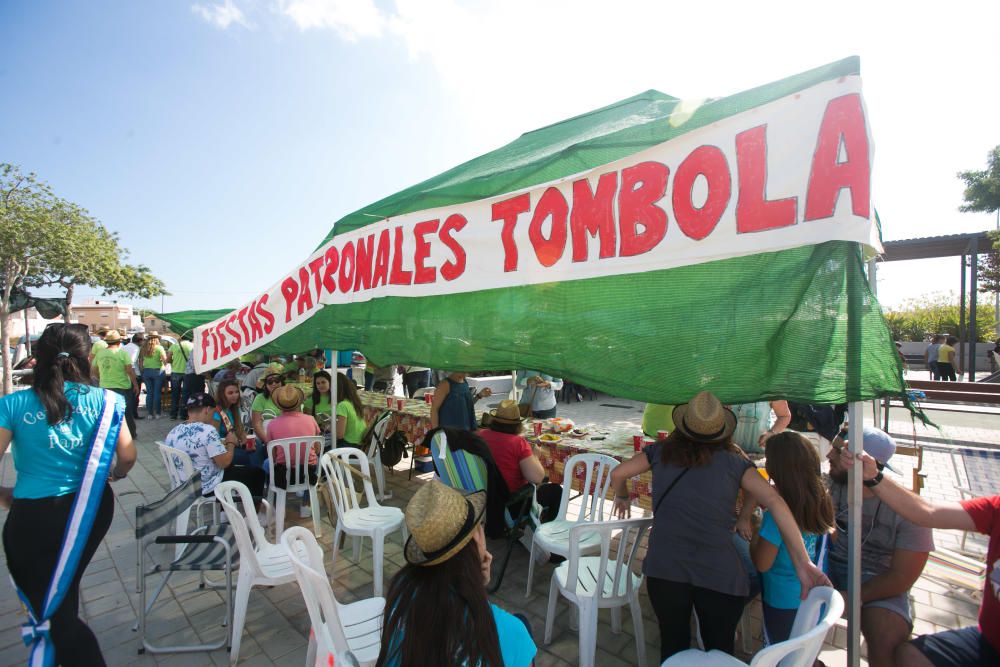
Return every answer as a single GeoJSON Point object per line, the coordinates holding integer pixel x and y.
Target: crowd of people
{"type": "Point", "coordinates": [721, 529]}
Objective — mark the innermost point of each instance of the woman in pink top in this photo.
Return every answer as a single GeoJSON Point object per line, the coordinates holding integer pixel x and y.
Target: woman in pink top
{"type": "Point", "coordinates": [291, 423]}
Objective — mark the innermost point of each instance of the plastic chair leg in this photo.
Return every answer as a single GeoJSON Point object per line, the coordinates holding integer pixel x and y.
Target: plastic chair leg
{"type": "Point", "coordinates": [550, 611]}
{"type": "Point", "coordinates": [315, 507]}
{"type": "Point", "coordinates": [588, 630]}
{"type": "Point", "coordinates": [531, 570]}
{"type": "Point", "coordinates": [243, 587]}
{"type": "Point", "coordinates": [279, 513]}
{"type": "Point", "coordinates": [637, 626]}
{"type": "Point", "coordinates": [335, 547]}
{"type": "Point", "coordinates": [616, 620]}
{"type": "Point", "coordinates": [378, 545]}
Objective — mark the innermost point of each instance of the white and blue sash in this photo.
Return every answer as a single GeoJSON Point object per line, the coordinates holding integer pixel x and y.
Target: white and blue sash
{"type": "Point", "coordinates": [35, 632]}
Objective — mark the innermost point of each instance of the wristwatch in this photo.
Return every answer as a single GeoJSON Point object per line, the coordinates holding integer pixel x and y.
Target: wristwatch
{"type": "Point", "coordinates": [874, 481]}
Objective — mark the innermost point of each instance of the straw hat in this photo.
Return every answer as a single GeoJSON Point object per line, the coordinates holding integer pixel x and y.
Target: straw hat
{"type": "Point", "coordinates": [113, 337]}
{"type": "Point", "coordinates": [152, 334]}
{"type": "Point", "coordinates": [704, 419]}
{"type": "Point", "coordinates": [507, 413]}
{"type": "Point", "coordinates": [287, 397]}
{"type": "Point", "coordinates": [441, 521]}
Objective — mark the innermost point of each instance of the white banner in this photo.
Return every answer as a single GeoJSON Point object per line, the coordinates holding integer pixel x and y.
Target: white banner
{"type": "Point", "coordinates": [790, 173]}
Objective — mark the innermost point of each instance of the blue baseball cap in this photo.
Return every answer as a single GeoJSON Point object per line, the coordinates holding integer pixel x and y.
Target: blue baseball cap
{"type": "Point", "coordinates": [880, 446]}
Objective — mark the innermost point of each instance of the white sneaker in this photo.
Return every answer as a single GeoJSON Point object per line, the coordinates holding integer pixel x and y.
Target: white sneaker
{"type": "Point", "coordinates": [305, 512]}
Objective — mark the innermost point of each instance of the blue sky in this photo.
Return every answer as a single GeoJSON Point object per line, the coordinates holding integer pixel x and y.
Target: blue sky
{"type": "Point", "coordinates": [222, 139]}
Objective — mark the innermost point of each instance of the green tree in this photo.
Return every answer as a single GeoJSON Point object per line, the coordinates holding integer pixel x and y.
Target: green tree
{"type": "Point", "coordinates": [982, 195]}
{"type": "Point", "coordinates": [936, 314]}
{"type": "Point", "coordinates": [46, 240]}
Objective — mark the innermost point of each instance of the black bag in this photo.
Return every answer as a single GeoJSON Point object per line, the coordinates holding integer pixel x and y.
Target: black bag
{"type": "Point", "coordinates": [393, 450]}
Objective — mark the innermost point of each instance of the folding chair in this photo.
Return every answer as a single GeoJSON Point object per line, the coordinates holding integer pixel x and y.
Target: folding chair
{"type": "Point", "coordinates": [467, 472]}
{"type": "Point", "coordinates": [209, 547]}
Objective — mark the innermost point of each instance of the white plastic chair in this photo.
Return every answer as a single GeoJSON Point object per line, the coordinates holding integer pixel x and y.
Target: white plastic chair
{"type": "Point", "coordinates": [353, 517]}
{"type": "Point", "coordinates": [815, 617]}
{"type": "Point", "coordinates": [375, 453]}
{"type": "Point", "coordinates": [296, 478]}
{"type": "Point", "coordinates": [553, 537]}
{"type": "Point", "coordinates": [179, 470]}
{"type": "Point", "coordinates": [419, 393]}
{"type": "Point", "coordinates": [261, 562]}
{"type": "Point", "coordinates": [598, 582]}
{"type": "Point", "coordinates": [336, 628]}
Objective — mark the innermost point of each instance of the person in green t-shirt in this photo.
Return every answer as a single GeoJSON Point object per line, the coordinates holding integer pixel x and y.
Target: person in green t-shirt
{"type": "Point", "coordinates": [98, 345]}
{"type": "Point", "coordinates": [318, 405]}
{"type": "Point", "coordinates": [113, 369]}
{"type": "Point", "coordinates": [264, 409]}
{"type": "Point", "coordinates": [178, 356]}
{"type": "Point", "coordinates": [152, 359]}
{"type": "Point", "coordinates": [657, 417]}
{"type": "Point", "coordinates": [350, 413]}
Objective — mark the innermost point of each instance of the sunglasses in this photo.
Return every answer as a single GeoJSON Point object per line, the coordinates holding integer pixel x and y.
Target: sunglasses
{"type": "Point", "coordinates": [273, 381]}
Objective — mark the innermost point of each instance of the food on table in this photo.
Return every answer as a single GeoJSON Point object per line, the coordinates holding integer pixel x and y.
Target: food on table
{"type": "Point", "coordinates": [548, 437]}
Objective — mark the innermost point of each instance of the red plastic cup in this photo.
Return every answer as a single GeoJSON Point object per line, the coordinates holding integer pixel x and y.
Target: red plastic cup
{"type": "Point", "coordinates": [637, 441]}
{"type": "Point", "coordinates": [251, 443]}
{"type": "Point", "coordinates": [400, 402]}
{"type": "Point", "coordinates": [428, 398]}
{"type": "Point", "coordinates": [661, 435]}
{"type": "Point", "coordinates": [537, 426]}
{"type": "Point", "coordinates": [388, 402]}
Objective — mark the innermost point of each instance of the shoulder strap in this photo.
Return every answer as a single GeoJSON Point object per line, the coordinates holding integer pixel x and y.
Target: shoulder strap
{"type": "Point", "coordinates": [669, 489]}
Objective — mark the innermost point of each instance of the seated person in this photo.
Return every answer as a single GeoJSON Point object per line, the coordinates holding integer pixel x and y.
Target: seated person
{"type": "Point", "coordinates": [199, 439]}
{"type": "Point", "coordinates": [517, 460]}
{"type": "Point", "coordinates": [350, 413]}
{"type": "Point", "coordinates": [893, 554]}
{"type": "Point", "coordinates": [964, 647]}
{"type": "Point", "coordinates": [291, 423]}
{"type": "Point", "coordinates": [437, 604]}
{"type": "Point", "coordinates": [657, 417]}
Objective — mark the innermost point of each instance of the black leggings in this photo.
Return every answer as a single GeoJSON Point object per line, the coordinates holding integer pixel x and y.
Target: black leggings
{"type": "Point", "coordinates": [946, 371]}
{"type": "Point", "coordinates": [250, 476]}
{"type": "Point", "coordinates": [718, 615]}
{"type": "Point", "coordinates": [32, 538]}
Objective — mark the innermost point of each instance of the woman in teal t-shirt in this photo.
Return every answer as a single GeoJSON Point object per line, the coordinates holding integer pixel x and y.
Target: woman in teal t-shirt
{"type": "Point", "coordinates": [51, 427]}
{"type": "Point", "coordinates": [350, 413]}
{"type": "Point", "coordinates": [793, 466]}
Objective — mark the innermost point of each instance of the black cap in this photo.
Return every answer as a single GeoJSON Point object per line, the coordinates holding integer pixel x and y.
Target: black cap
{"type": "Point", "coordinates": [201, 400]}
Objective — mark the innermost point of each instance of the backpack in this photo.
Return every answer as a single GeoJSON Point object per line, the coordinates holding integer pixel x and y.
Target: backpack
{"type": "Point", "coordinates": [393, 450]}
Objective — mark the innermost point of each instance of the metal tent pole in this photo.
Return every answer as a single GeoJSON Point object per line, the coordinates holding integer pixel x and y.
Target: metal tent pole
{"type": "Point", "coordinates": [973, 289]}
{"type": "Point", "coordinates": [855, 445]}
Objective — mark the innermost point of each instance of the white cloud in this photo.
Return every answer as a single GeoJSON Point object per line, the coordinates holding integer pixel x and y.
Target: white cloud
{"type": "Point", "coordinates": [222, 16]}
{"type": "Point", "coordinates": [351, 19]}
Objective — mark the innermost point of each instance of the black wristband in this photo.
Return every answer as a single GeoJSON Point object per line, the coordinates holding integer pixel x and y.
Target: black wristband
{"type": "Point", "coordinates": [874, 481]}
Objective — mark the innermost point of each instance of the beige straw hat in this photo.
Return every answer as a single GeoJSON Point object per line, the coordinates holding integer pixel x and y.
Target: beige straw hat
{"type": "Point", "coordinates": [287, 397]}
{"type": "Point", "coordinates": [441, 521]}
{"type": "Point", "coordinates": [507, 412]}
{"type": "Point", "coordinates": [704, 419]}
{"type": "Point", "coordinates": [113, 337]}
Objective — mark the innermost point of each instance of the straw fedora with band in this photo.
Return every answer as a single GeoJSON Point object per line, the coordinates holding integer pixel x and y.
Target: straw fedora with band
{"type": "Point", "coordinates": [113, 337]}
{"type": "Point", "coordinates": [704, 419]}
{"type": "Point", "coordinates": [441, 521]}
{"type": "Point", "coordinates": [287, 397]}
{"type": "Point", "coordinates": [506, 413]}
{"type": "Point", "coordinates": [152, 334]}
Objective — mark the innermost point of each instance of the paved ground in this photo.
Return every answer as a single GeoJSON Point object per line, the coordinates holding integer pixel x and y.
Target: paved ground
{"type": "Point", "coordinates": [278, 624]}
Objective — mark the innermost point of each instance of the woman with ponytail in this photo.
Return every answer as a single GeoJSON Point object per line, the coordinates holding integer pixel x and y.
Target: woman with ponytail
{"type": "Point", "coordinates": [60, 431]}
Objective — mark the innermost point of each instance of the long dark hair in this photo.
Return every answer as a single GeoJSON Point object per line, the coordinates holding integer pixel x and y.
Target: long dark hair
{"type": "Point", "coordinates": [793, 466]}
{"type": "Point", "coordinates": [348, 391]}
{"type": "Point", "coordinates": [443, 614]}
{"type": "Point", "coordinates": [683, 452]}
{"type": "Point", "coordinates": [62, 352]}
{"type": "Point", "coordinates": [220, 402]}
{"type": "Point", "coordinates": [317, 395]}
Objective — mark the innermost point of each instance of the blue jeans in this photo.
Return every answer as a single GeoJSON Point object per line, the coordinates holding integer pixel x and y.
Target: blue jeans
{"type": "Point", "coordinates": [177, 396]}
{"type": "Point", "coordinates": [153, 379]}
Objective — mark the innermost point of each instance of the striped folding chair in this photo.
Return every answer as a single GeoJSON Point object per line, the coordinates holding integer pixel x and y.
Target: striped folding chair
{"type": "Point", "coordinates": [209, 547]}
{"type": "Point", "coordinates": [467, 472]}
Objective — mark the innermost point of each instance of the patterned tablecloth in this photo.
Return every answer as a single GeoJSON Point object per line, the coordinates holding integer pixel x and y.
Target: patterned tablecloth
{"type": "Point", "coordinates": [414, 420]}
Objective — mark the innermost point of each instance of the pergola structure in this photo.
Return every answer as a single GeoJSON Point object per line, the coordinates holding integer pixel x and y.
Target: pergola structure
{"type": "Point", "coordinates": [966, 246]}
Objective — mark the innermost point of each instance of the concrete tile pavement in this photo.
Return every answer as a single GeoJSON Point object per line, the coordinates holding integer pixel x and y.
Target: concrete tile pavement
{"type": "Point", "coordinates": [277, 624]}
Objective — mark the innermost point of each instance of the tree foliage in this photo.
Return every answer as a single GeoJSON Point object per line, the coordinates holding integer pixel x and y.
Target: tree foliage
{"type": "Point", "coordinates": [982, 195]}
{"type": "Point", "coordinates": [937, 314]}
{"type": "Point", "coordinates": [48, 241]}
